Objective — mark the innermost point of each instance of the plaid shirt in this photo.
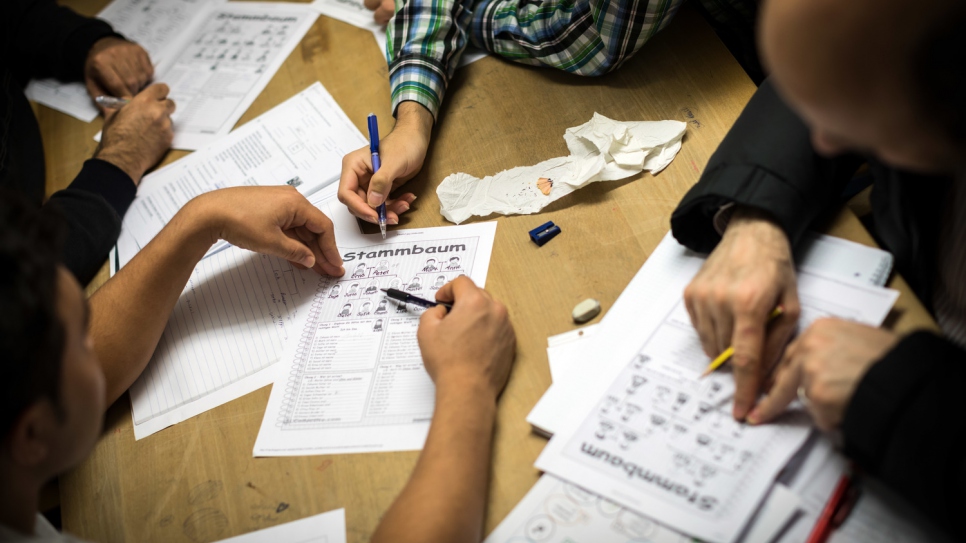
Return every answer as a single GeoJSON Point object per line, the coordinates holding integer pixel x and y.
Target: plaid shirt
{"type": "Point", "coordinates": [587, 37]}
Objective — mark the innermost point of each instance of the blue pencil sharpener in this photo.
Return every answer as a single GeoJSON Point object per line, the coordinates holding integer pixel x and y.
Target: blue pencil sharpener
{"type": "Point", "coordinates": [544, 233]}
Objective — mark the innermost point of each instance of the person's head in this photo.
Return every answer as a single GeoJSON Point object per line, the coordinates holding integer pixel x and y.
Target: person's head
{"type": "Point", "coordinates": [53, 388]}
{"type": "Point", "coordinates": [877, 76]}
{"type": "Point", "coordinates": [454, 261]}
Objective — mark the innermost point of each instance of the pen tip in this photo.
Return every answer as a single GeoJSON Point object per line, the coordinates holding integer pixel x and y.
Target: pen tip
{"type": "Point", "coordinates": [384, 289]}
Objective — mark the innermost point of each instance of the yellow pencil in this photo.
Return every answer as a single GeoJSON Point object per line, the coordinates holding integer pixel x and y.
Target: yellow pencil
{"type": "Point", "coordinates": [727, 353]}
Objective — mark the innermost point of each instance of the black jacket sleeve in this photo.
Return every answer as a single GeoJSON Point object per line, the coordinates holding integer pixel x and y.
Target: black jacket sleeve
{"type": "Point", "coordinates": [47, 40]}
{"type": "Point", "coordinates": [765, 162]}
{"type": "Point", "coordinates": [92, 207]}
{"type": "Point", "coordinates": [905, 425]}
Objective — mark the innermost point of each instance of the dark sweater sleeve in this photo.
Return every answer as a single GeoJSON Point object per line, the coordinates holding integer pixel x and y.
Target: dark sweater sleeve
{"type": "Point", "coordinates": [92, 208]}
{"type": "Point", "coordinates": [905, 425]}
{"type": "Point", "coordinates": [766, 161]}
{"type": "Point", "coordinates": [47, 40]}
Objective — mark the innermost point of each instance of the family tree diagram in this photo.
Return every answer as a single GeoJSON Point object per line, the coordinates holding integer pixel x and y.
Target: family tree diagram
{"type": "Point", "coordinates": [668, 432]}
{"type": "Point", "coordinates": [358, 361]}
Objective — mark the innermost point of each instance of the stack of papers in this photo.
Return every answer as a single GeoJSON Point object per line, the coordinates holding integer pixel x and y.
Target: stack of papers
{"type": "Point", "coordinates": [645, 449]}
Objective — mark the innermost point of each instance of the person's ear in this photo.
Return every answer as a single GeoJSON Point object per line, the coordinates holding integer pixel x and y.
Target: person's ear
{"type": "Point", "coordinates": [30, 437]}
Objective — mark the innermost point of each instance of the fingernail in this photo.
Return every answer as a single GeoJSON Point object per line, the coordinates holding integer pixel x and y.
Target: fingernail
{"type": "Point", "coordinates": [308, 261]}
{"type": "Point", "coordinates": [414, 198]}
{"type": "Point", "coordinates": [754, 418]}
{"type": "Point", "coordinates": [405, 207]}
{"type": "Point", "coordinates": [376, 198]}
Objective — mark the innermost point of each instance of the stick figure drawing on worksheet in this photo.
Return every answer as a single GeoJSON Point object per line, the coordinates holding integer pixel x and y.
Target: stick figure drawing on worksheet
{"type": "Point", "coordinates": [414, 285]}
{"type": "Point", "coordinates": [346, 310]}
{"type": "Point", "coordinates": [378, 326]}
{"type": "Point", "coordinates": [360, 271]}
{"type": "Point", "coordinates": [430, 265]}
{"type": "Point", "coordinates": [372, 288]}
{"type": "Point", "coordinates": [454, 263]}
{"type": "Point", "coordinates": [336, 290]}
{"type": "Point", "coordinates": [381, 308]}
{"type": "Point", "coordinates": [382, 268]}
{"type": "Point", "coordinates": [440, 281]}
{"type": "Point", "coordinates": [353, 290]}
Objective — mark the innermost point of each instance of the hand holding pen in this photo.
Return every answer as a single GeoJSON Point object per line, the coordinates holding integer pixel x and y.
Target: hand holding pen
{"type": "Point", "coordinates": [374, 150]}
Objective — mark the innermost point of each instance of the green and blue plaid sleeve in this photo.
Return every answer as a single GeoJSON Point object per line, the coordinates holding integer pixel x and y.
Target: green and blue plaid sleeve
{"type": "Point", "coordinates": [424, 43]}
{"type": "Point", "coordinates": [585, 37]}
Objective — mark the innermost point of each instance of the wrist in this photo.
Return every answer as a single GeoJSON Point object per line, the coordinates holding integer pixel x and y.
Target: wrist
{"type": "Point", "coordinates": [469, 387]}
{"type": "Point", "coordinates": [748, 218]}
{"type": "Point", "coordinates": [129, 167]}
{"type": "Point", "coordinates": [201, 221]}
{"type": "Point", "coordinates": [414, 118]}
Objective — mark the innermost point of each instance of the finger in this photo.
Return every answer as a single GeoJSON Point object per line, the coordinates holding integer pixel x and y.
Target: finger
{"type": "Point", "coordinates": [705, 328]}
{"type": "Point", "coordinates": [157, 91]}
{"type": "Point", "coordinates": [455, 289]}
{"type": "Point", "coordinates": [372, 5]}
{"type": "Point", "coordinates": [356, 172]}
{"type": "Point", "coordinates": [397, 207]}
{"type": "Point", "coordinates": [380, 185]}
{"type": "Point", "coordinates": [431, 317]}
{"type": "Point", "coordinates": [780, 332]}
{"type": "Point", "coordinates": [147, 68]}
{"type": "Point", "coordinates": [112, 82]}
{"type": "Point", "coordinates": [383, 15]}
{"type": "Point", "coordinates": [723, 327]}
{"type": "Point", "coordinates": [94, 90]}
{"type": "Point", "coordinates": [293, 250]}
{"type": "Point", "coordinates": [783, 393]}
{"type": "Point", "coordinates": [748, 341]}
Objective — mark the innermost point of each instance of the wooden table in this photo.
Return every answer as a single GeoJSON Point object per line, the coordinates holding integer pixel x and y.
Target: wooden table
{"type": "Point", "coordinates": [197, 481]}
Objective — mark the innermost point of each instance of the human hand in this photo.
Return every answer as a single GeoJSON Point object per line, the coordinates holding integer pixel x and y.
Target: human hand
{"type": "Point", "coordinates": [730, 300]}
{"type": "Point", "coordinates": [827, 361]}
{"type": "Point", "coordinates": [116, 67]}
{"type": "Point", "coordinates": [471, 346]}
{"type": "Point", "coordinates": [401, 152]}
{"type": "Point", "coordinates": [276, 221]}
{"type": "Point", "coordinates": [136, 136]}
{"type": "Point", "coordinates": [384, 10]}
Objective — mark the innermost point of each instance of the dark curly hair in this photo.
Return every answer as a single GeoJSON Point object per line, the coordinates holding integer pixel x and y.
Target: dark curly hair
{"type": "Point", "coordinates": [31, 333]}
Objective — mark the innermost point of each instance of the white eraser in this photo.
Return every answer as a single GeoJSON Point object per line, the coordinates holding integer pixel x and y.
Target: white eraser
{"type": "Point", "coordinates": [586, 310]}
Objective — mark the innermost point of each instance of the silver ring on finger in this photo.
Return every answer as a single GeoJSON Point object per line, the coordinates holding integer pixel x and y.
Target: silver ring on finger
{"type": "Point", "coordinates": [803, 398]}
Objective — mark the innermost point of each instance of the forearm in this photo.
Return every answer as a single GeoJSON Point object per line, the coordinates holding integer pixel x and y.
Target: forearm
{"type": "Point", "coordinates": [129, 313]}
{"type": "Point", "coordinates": [426, 39]}
{"type": "Point", "coordinates": [445, 498]}
{"type": "Point", "coordinates": [584, 37]}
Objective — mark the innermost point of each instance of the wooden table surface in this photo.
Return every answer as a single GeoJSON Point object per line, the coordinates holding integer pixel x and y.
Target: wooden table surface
{"type": "Point", "coordinates": [197, 481]}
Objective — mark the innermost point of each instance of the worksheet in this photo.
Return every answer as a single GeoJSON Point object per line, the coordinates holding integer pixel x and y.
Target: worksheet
{"type": "Point", "coordinates": [300, 143]}
{"type": "Point", "coordinates": [661, 440]}
{"type": "Point", "coordinates": [227, 330]}
{"type": "Point", "coordinates": [325, 528]}
{"type": "Point", "coordinates": [555, 511]}
{"type": "Point", "coordinates": [159, 26]}
{"type": "Point", "coordinates": [571, 368]}
{"type": "Point", "coordinates": [356, 14]}
{"type": "Point", "coordinates": [353, 380]}
{"type": "Point", "coordinates": [228, 60]}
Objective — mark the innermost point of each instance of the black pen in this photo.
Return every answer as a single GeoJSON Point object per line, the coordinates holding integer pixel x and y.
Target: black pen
{"type": "Point", "coordinates": [401, 296]}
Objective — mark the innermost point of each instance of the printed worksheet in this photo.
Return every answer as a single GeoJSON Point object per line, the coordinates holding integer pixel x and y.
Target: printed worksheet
{"type": "Point", "coordinates": [661, 440]}
{"type": "Point", "coordinates": [555, 511]}
{"type": "Point", "coordinates": [353, 380]}
{"type": "Point", "coordinates": [227, 330]}
{"type": "Point", "coordinates": [159, 26]}
{"type": "Point", "coordinates": [229, 59]}
{"type": "Point", "coordinates": [300, 143]}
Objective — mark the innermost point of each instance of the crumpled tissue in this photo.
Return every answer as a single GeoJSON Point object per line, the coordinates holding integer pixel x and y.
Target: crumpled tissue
{"type": "Point", "coordinates": [601, 149]}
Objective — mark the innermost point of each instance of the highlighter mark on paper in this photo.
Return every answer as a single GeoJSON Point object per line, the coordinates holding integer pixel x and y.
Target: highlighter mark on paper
{"type": "Point", "coordinates": [545, 184]}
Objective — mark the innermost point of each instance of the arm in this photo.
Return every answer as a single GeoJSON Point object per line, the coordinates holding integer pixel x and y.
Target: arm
{"type": "Point", "coordinates": [903, 425]}
{"type": "Point", "coordinates": [468, 353]}
{"type": "Point", "coordinates": [129, 313]}
{"type": "Point", "coordinates": [48, 40]}
{"type": "Point", "coordinates": [777, 186]}
{"type": "Point", "coordinates": [765, 162]}
{"type": "Point", "coordinates": [134, 139]}
{"type": "Point", "coordinates": [584, 37]}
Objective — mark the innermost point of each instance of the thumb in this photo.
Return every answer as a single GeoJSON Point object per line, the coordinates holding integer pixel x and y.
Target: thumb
{"type": "Point", "coordinates": [432, 317]}
{"type": "Point", "coordinates": [380, 185]}
{"type": "Point", "coordinates": [290, 249]}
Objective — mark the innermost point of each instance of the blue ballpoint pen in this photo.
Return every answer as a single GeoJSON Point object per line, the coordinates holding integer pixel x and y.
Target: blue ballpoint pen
{"type": "Point", "coordinates": [374, 149]}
